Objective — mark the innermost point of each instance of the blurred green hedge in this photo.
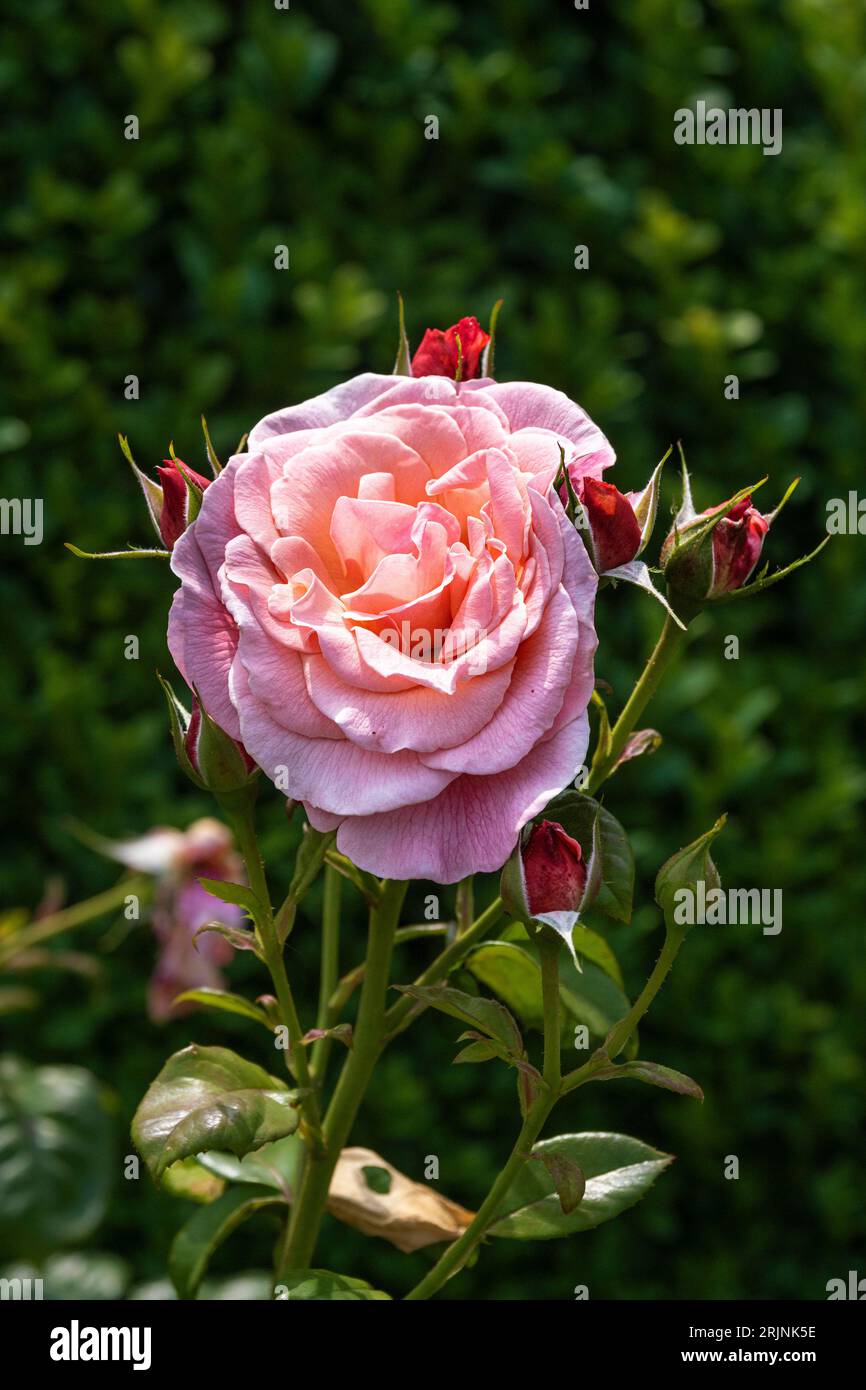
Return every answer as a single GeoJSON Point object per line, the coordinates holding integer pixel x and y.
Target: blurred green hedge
{"type": "Point", "coordinates": [261, 127]}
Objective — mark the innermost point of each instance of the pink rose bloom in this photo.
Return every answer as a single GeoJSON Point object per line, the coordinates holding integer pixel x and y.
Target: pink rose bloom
{"type": "Point", "coordinates": [385, 602]}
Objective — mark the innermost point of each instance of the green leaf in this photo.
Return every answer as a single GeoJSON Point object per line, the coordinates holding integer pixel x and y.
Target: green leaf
{"type": "Point", "coordinates": [91, 1276]}
{"type": "Point", "coordinates": [577, 814]}
{"type": "Point", "coordinates": [56, 1157]}
{"type": "Point", "coordinates": [478, 1051]}
{"type": "Point", "coordinates": [236, 893]}
{"type": "Point", "coordinates": [308, 862]}
{"type": "Point", "coordinates": [653, 1074]}
{"type": "Point", "coordinates": [637, 744]}
{"type": "Point", "coordinates": [206, 1098]}
{"type": "Point", "coordinates": [241, 938]}
{"type": "Point", "coordinates": [227, 1003]}
{"type": "Point", "coordinates": [276, 1165]}
{"type": "Point", "coordinates": [322, 1285]}
{"type": "Point", "coordinates": [591, 997]}
{"type": "Point", "coordinates": [341, 1033]}
{"type": "Point", "coordinates": [366, 884]}
{"type": "Point", "coordinates": [196, 1242]}
{"type": "Point", "coordinates": [314, 845]}
{"type": "Point", "coordinates": [618, 1170]}
{"type": "Point", "coordinates": [567, 1177]}
{"type": "Point", "coordinates": [595, 948]}
{"type": "Point", "coordinates": [682, 872]}
{"type": "Point", "coordinates": [513, 974]}
{"type": "Point", "coordinates": [189, 1179]}
{"type": "Point", "coordinates": [487, 1014]}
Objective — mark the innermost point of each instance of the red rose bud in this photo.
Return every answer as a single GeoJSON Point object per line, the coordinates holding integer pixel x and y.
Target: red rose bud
{"type": "Point", "coordinates": [614, 533]}
{"type": "Point", "coordinates": [211, 758]}
{"type": "Point", "coordinates": [178, 485]}
{"type": "Point", "coordinates": [737, 544]}
{"type": "Point", "coordinates": [554, 870]}
{"type": "Point", "coordinates": [219, 761]}
{"type": "Point", "coordinates": [440, 354]}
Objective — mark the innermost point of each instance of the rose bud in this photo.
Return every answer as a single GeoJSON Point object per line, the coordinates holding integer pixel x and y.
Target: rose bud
{"type": "Point", "coordinates": [737, 543]}
{"type": "Point", "coordinates": [547, 882]}
{"type": "Point", "coordinates": [710, 554]}
{"type": "Point", "coordinates": [456, 352]}
{"type": "Point", "coordinates": [221, 762]}
{"type": "Point", "coordinates": [181, 490]}
{"type": "Point", "coordinates": [612, 532]}
{"type": "Point", "coordinates": [615, 526]}
{"type": "Point", "coordinates": [554, 870]}
{"type": "Point", "coordinates": [211, 758]}
{"type": "Point", "coordinates": [173, 498]}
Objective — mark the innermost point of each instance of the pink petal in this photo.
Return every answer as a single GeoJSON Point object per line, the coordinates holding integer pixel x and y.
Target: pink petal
{"type": "Point", "coordinates": [472, 826]}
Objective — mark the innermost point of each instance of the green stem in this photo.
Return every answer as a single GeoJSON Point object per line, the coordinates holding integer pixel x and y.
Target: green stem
{"type": "Point", "coordinates": [665, 649]}
{"type": "Point", "coordinates": [296, 1057]}
{"type": "Point", "coordinates": [548, 951]}
{"type": "Point", "coordinates": [367, 1042]}
{"type": "Point", "coordinates": [465, 912]}
{"type": "Point", "coordinates": [397, 1017]}
{"type": "Point", "coordinates": [75, 916]}
{"type": "Point", "coordinates": [330, 970]}
{"type": "Point", "coordinates": [457, 1254]}
{"type": "Point", "coordinates": [622, 1031]}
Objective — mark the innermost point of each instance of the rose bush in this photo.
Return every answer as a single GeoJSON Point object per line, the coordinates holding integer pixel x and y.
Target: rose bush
{"type": "Point", "coordinates": [384, 601]}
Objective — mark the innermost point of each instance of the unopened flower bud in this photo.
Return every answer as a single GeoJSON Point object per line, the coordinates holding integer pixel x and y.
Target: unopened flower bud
{"type": "Point", "coordinates": [554, 870]}
{"type": "Point", "coordinates": [178, 484]}
{"type": "Point", "coordinates": [220, 762]}
{"type": "Point", "coordinates": [455, 353]}
{"type": "Point", "coordinates": [614, 535]}
{"type": "Point", "coordinates": [546, 874]}
{"type": "Point", "coordinates": [737, 544]}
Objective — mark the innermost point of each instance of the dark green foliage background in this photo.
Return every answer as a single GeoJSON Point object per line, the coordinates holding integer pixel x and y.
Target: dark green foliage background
{"type": "Point", "coordinates": [155, 257]}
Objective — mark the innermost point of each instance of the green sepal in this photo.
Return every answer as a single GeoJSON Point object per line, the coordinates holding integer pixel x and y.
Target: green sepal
{"type": "Point", "coordinates": [216, 466]}
{"type": "Point", "coordinates": [179, 718]}
{"type": "Point", "coordinates": [403, 363]}
{"type": "Point", "coordinates": [488, 353]}
{"type": "Point", "coordinates": [684, 870]}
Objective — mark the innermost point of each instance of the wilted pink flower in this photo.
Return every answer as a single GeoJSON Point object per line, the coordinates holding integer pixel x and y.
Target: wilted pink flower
{"type": "Point", "coordinates": [384, 601]}
{"type": "Point", "coordinates": [737, 544]}
{"type": "Point", "coordinates": [176, 859]}
{"type": "Point", "coordinates": [439, 354]}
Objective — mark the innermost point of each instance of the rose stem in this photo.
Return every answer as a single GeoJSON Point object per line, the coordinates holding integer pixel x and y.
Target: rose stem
{"type": "Point", "coordinates": [330, 970]}
{"type": "Point", "coordinates": [368, 1039]}
{"type": "Point", "coordinates": [397, 1017]}
{"type": "Point", "coordinates": [243, 822]}
{"type": "Point", "coordinates": [666, 647]}
{"type": "Point", "coordinates": [457, 1254]}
